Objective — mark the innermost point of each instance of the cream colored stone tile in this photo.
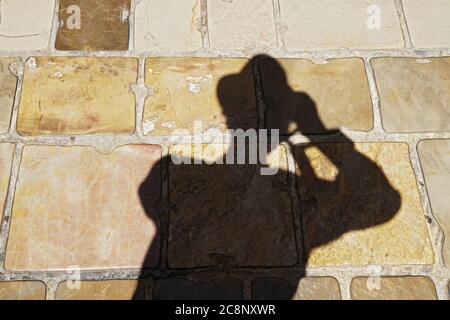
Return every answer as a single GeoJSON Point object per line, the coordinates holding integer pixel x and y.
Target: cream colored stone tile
{"type": "Point", "coordinates": [428, 22]}
{"type": "Point", "coordinates": [98, 290]}
{"type": "Point", "coordinates": [393, 288]}
{"type": "Point", "coordinates": [22, 290]}
{"type": "Point", "coordinates": [81, 96]}
{"type": "Point", "coordinates": [414, 93]}
{"type": "Point", "coordinates": [217, 91]}
{"type": "Point", "coordinates": [8, 83]}
{"type": "Point", "coordinates": [168, 25]}
{"type": "Point", "coordinates": [241, 25]}
{"type": "Point", "coordinates": [360, 205]}
{"type": "Point", "coordinates": [77, 207]}
{"type": "Point", "coordinates": [336, 92]}
{"type": "Point", "coordinates": [318, 288]}
{"type": "Point", "coordinates": [328, 24]}
{"type": "Point", "coordinates": [25, 24]}
{"type": "Point", "coordinates": [6, 155]}
{"type": "Point", "coordinates": [435, 160]}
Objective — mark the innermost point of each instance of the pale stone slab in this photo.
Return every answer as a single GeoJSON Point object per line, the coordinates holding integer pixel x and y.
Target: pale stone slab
{"type": "Point", "coordinates": [99, 290]}
{"type": "Point", "coordinates": [414, 93]}
{"type": "Point", "coordinates": [6, 154]}
{"type": "Point", "coordinates": [22, 290]}
{"type": "Point", "coordinates": [77, 207]}
{"type": "Point", "coordinates": [81, 96]}
{"type": "Point", "coordinates": [8, 83]}
{"type": "Point", "coordinates": [435, 160]}
{"type": "Point", "coordinates": [393, 288]}
{"type": "Point", "coordinates": [244, 25]}
{"type": "Point", "coordinates": [228, 215]}
{"type": "Point", "coordinates": [360, 205]}
{"type": "Point", "coordinates": [25, 25]}
{"type": "Point", "coordinates": [428, 22]}
{"type": "Point", "coordinates": [336, 92]}
{"type": "Point", "coordinates": [328, 24]}
{"type": "Point", "coordinates": [219, 92]}
{"type": "Point", "coordinates": [168, 25]}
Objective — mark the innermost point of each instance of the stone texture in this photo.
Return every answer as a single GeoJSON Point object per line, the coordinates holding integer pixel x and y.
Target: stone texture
{"type": "Point", "coordinates": [103, 25]}
{"type": "Point", "coordinates": [24, 25]}
{"type": "Point", "coordinates": [297, 91]}
{"type": "Point", "coordinates": [339, 24]}
{"type": "Point", "coordinates": [428, 22]}
{"type": "Point", "coordinates": [241, 25]}
{"type": "Point", "coordinates": [435, 160]}
{"type": "Point", "coordinates": [217, 91]}
{"type": "Point", "coordinates": [22, 290]}
{"type": "Point", "coordinates": [99, 290]}
{"type": "Point", "coordinates": [393, 288]}
{"type": "Point", "coordinates": [181, 289]}
{"type": "Point", "coordinates": [308, 288]}
{"type": "Point", "coordinates": [6, 154]}
{"type": "Point", "coordinates": [414, 93]}
{"type": "Point", "coordinates": [156, 21]}
{"type": "Point", "coordinates": [81, 96]}
{"type": "Point", "coordinates": [77, 207]}
{"type": "Point", "coordinates": [8, 83]}
{"type": "Point", "coordinates": [228, 215]}
{"type": "Point", "coordinates": [361, 205]}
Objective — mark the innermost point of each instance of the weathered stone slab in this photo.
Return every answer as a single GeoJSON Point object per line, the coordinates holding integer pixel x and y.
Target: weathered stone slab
{"type": "Point", "coordinates": [6, 155]}
{"type": "Point", "coordinates": [22, 290]}
{"type": "Point", "coordinates": [99, 290]}
{"type": "Point", "coordinates": [8, 83]}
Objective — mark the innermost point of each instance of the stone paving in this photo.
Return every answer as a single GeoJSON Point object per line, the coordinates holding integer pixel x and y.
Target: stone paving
{"type": "Point", "coordinates": [94, 205]}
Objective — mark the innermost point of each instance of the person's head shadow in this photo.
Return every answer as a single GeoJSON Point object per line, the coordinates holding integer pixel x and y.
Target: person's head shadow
{"type": "Point", "coordinates": [356, 195]}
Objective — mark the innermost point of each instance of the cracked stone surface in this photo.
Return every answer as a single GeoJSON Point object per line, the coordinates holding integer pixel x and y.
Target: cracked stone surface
{"type": "Point", "coordinates": [186, 90]}
{"type": "Point", "coordinates": [91, 202]}
{"type": "Point", "coordinates": [8, 82]}
{"type": "Point", "coordinates": [6, 154]}
{"type": "Point", "coordinates": [414, 93]}
{"type": "Point", "coordinates": [25, 26]}
{"type": "Point", "coordinates": [339, 24]}
{"type": "Point", "coordinates": [343, 225]}
{"type": "Point", "coordinates": [99, 290]}
{"type": "Point", "coordinates": [393, 288]}
{"type": "Point", "coordinates": [157, 20]}
{"type": "Point", "coordinates": [338, 91]}
{"type": "Point", "coordinates": [82, 95]}
{"type": "Point", "coordinates": [435, 161]}
{"type": "Point", "coordinates": [22, 290]}
{"type": "Point", "coordinates": [103, 25]}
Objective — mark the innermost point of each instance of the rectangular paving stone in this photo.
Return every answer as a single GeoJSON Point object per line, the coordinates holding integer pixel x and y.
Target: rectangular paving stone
{"type": "Point", "coordinates": [331, 24]}
{"type": "Point", "coordinates": [414, 93]}
{"type": "Point", "coordinates": [360, 205]}
{"type": "Point", "coordinates": [295, 89]}
{"type": "Point", "coordinates": [6, 155]}
{"type": "Point", "coordinates": [393, 288]}
{"type": "Point", "coordinates": [217, 91]}
{"type": "Point", "coordinates": [228, 215]}
{"type": "Point", "coordinates": [25, 25]}
{"type": "Point", "coordinates": [22, 290]}
{"type": "Point", "coordinates": [241, 25]}
{"type": "Point", "coordinates": [156, 22]}
{"type": "Point", "coordinates": [93, 25]}
{"type": "Point", "coordinates": [100, 290]}
{"type": "Point", "coordinates": [428, 22]}
{"type": "Point", "coordinates": [8, 83]}
{"type": "Point", "coordinates": [435, 161]}
{"type": "Point", "coordinates": [77, 207]}
{"type": "Point", "coordinates": [181, 289]}
{"type": "Point", "coordinates": [81, 96]}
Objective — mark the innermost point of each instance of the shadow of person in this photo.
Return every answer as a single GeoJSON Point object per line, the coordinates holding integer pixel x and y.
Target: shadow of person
{"type": "Point", "coordinates": [225, 222]}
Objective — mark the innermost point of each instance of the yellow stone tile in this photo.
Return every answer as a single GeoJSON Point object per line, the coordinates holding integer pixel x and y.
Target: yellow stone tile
{"type": "Point", "coordinates": [360, 205]}
{"type": "Point", "coordinates": [98, 290]}
{"type": "Point", "coordinates": [217, 91]}
{"type": "Point", "coordinates": [393, 288]}
{"type": "Point", "coordinates": [75, 207]}
{"type": "Point", "coordinates": [66, 95]}
{"type": "Point", "coordinates": [6, 154]}
{"type": "Point", "coordinates": [22, 290]}
{"type": "Point", "coordinates": [318, 288]}
{"type": "Point", "coordinates": [8, 82]}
